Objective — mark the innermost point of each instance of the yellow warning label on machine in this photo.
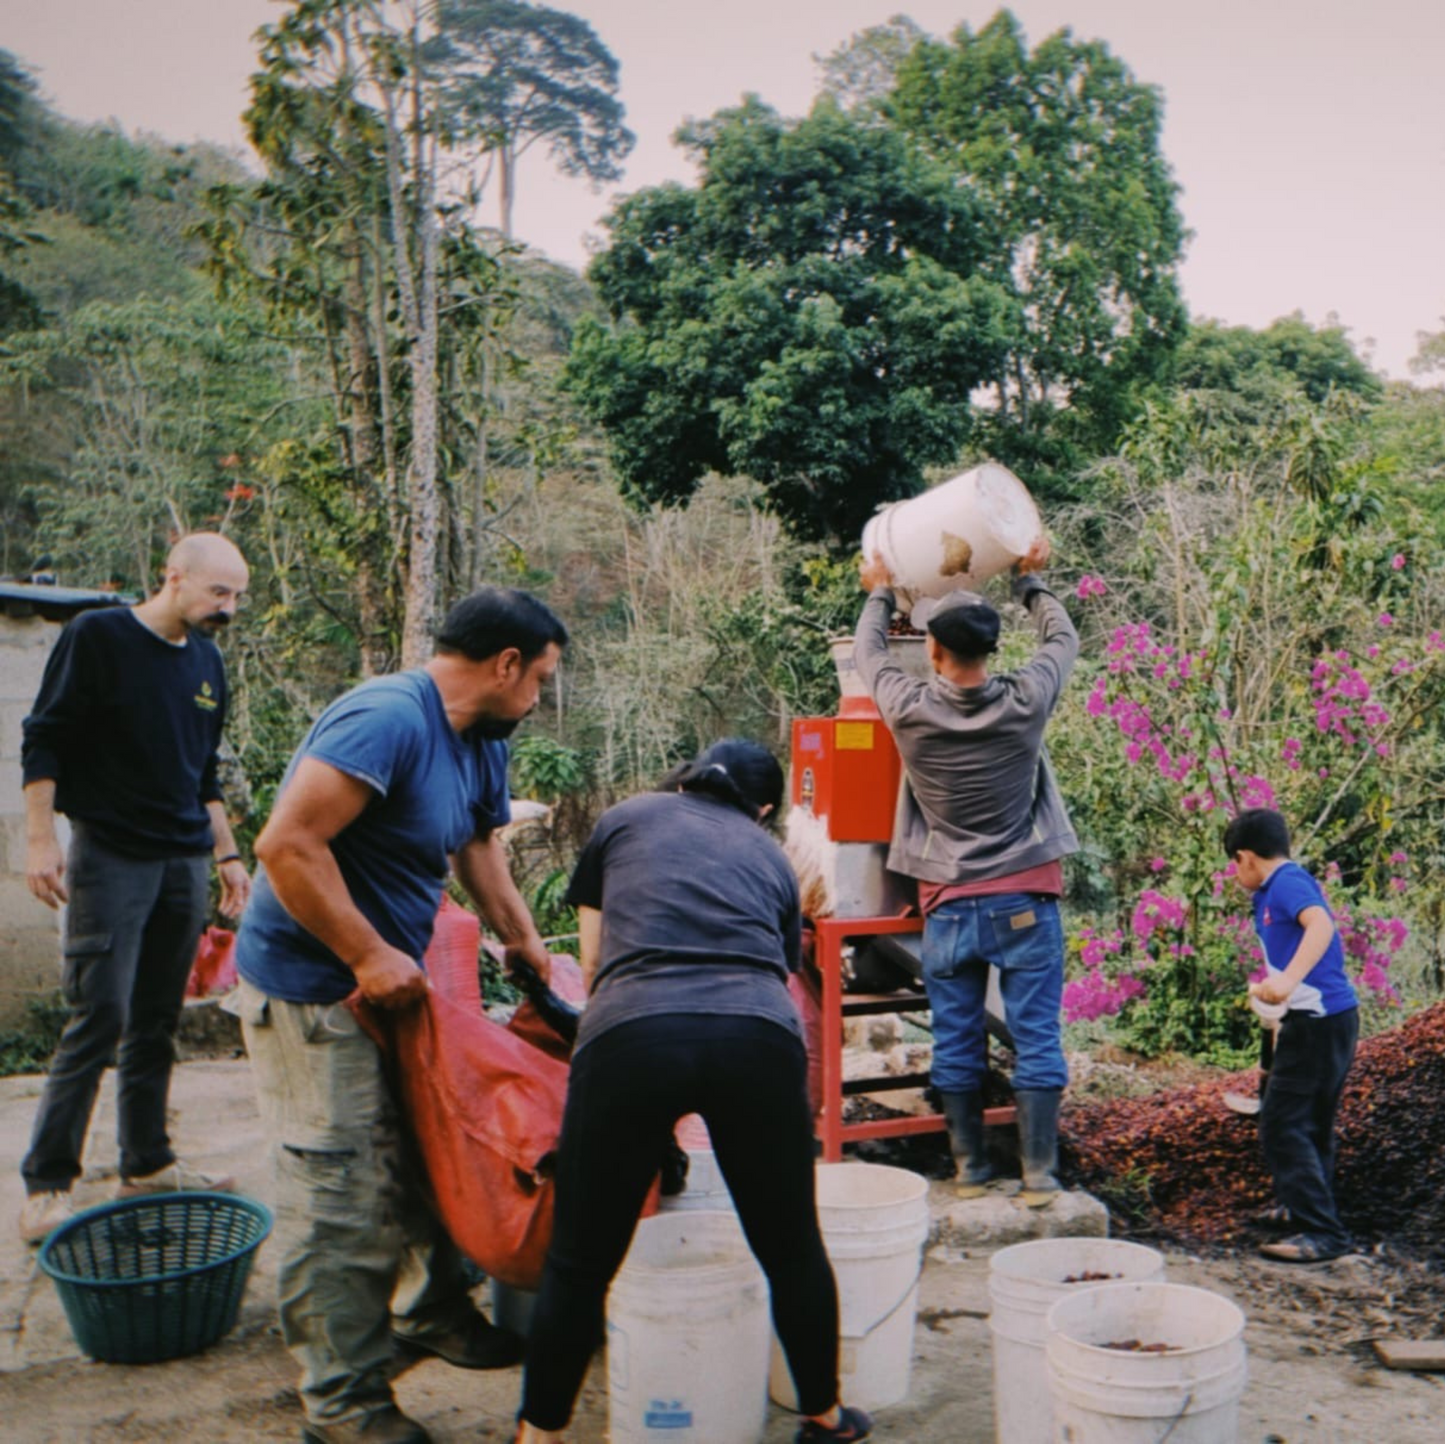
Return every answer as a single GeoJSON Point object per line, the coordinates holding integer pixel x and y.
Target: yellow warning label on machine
{"type": "Point", "coordinates": [853, 736]}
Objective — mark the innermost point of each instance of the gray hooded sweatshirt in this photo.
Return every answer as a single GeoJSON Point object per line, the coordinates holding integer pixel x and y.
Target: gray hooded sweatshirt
{"type": "Point", "coordinates": [979, 799]}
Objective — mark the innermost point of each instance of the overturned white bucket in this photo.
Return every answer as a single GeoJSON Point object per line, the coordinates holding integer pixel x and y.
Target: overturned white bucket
{"type": "Point", "coordinates": [1024, 1283]}
{"type": "Point", "coordinates": [687, 1335]}
{"type": "Point", "coordinates": [957, 534]}
{"type": "Point", "coordinates": [1176, 1371]}
{"type": "Point", "coordinates": [874, 1221]}
{"type": "Point", "coordinates": [705, 1189]}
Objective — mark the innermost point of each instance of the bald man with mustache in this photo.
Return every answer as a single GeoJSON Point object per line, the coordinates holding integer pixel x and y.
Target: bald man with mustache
{"type": "Point", "coordinates": [123, 741]}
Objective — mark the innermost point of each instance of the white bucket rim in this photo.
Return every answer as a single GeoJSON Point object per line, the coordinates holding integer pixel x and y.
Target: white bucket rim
{"type": "Point", "coordinates": [911, 1187]}
{"type": "Point", "coordinates": [1010, 1262]}
{"type": "Point", "coordinates": [722, 1221]}
{"type": "Point", "coordinates": [1057, 1321]}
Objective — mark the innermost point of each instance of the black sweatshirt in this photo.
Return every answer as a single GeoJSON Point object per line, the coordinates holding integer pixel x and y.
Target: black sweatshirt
{"type": "Point", "coordinates": [127, 724]}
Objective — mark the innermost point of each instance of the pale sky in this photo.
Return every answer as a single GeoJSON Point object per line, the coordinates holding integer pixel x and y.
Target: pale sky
{"type": "Point", "coordinates": [1308, 135]}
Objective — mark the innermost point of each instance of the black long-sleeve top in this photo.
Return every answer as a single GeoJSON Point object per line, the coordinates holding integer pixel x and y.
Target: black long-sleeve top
{"type": "Point", "coordinates": [127, 724]}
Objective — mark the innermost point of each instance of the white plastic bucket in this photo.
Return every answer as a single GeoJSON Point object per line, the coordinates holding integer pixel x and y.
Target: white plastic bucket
{"type": "Point", "coordinates": [1189, 1395]}
{"type": "Point", "coordinates": [687, 1335]}
{"type": "Point", "coordinates": [957, 534]}
{"type": "Point", "coordinates": [1024, 1283]}
{"type": "Point", "coordinates": [874, 1221]}
{"type": "Point", "coordinates": [704, 1190]}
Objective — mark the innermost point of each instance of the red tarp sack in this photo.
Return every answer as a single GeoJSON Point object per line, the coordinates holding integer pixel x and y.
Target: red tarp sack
{"type": "Point", "coordinates": [214, 970]}
{"type": "Point", "coordinates": [527, 1022]}
{"type": "Point", "coordinates": [485, 1109]}
{"type": "Point", "coordinates": [450, 960]}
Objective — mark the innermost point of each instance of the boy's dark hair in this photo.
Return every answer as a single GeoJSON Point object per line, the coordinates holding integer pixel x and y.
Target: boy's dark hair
{"type": "Point", "coordinates": [1261, 831]}
{"type": "Point", "coordinates": [735, 770]}
{"type": "Point", "coordinates": [495, 618]}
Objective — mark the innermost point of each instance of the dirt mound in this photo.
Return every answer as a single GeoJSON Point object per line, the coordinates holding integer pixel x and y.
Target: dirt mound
{"type": "Point", "coordinates": [1180, 1165]}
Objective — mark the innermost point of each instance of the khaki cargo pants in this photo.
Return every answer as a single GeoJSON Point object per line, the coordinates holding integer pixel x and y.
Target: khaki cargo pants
{"type": "Point", "coordinates": [361, 1249]}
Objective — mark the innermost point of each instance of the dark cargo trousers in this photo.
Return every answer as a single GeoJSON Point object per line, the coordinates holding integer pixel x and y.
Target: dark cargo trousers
{"type": "Point", "coordinates": [131, 928]}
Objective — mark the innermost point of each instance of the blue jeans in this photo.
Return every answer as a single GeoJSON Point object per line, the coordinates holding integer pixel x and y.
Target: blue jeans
{"type": "Point", "coordinates": [1020, 934]}
{"type": "Point", "coordinates": [130, 939]}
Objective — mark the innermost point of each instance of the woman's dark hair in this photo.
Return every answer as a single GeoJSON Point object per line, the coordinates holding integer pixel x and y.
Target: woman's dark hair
{"type": "Point", "coordinates": [495, 618]}
{"type": "Point", "coordinates": [735, 770]}
{"type": "Point", "coordinates": [1260, 830]}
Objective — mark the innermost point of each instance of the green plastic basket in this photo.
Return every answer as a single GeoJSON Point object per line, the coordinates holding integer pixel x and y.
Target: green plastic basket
{"type": "Point", "coordinates": [155, 1277]}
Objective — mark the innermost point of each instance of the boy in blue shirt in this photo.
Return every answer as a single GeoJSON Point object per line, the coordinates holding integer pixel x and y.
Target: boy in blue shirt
{"type": "Point", "coordinates": [1305, 971]}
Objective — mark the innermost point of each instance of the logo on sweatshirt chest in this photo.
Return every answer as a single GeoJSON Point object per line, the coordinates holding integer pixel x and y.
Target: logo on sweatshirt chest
{"type": "Point", "coordinates": [205, 699]}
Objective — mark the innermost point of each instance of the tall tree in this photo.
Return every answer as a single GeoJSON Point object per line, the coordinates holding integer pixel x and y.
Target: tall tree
{"type": "Point", "coordinates": [809, 315]}
{"type": "Point", "coordinates": [18, 306]}
{"type": "Point", "coordinates": [351, 243]}
{"type": "Point", "coordinates": [519, 74]}
{"type": "Point", "coordinates": [1062, 144]}
{"type": "Point", "coordinates": [861, 73]}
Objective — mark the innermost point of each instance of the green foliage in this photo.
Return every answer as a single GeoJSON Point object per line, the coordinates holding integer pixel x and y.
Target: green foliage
{"type": "Point", "coordinates": [776, 644]}
{"type": "Point", "coordinates": [28, 1049]}
{"type": "Point", "coordinates": [808, 316]}
{"type": "Point", "coordinates": [158, 400]}
{"type": "Point", "coordinates": [1061, 146]}
{"type": "Point", "coordinates": [520, 73]}
{"type": "Point", "coordinates": [1263, 638]}
{"type": "Point", "coordinates": [546, 769]}
{"type": "Point", "coordinates": [1263, 371]}
{"type": "Point", "coordinates": [860, 74]}
{"type": "Point", "coordinates": [554, 916]}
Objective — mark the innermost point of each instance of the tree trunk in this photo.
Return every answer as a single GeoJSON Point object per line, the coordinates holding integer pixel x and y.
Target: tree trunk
{"type": "Point", "coordinates": [509, 180]}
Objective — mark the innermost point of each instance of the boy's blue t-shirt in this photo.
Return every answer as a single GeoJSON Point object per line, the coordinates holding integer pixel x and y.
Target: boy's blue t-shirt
{"type": "Point", "coordinates": [434, 791]}
{"type": "Point", "coordinates": [1285, 894]}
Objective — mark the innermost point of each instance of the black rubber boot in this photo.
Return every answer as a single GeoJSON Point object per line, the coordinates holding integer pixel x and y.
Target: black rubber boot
{"type": "Point", "coordinates": [1038, 1110]}
{"type": "Point", "coordinates": [963, 1112]}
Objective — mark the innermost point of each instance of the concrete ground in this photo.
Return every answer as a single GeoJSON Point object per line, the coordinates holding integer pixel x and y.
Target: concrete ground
{"type": "Point", "coordinates": [1301, 1388]}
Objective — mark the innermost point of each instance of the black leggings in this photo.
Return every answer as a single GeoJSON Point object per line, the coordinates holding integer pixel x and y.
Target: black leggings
{"type": "Point", "coordinates": [747, 1077]}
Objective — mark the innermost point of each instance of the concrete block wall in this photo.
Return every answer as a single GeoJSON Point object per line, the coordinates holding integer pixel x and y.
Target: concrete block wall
{"type": "Point", "coordinates": [29, 931]}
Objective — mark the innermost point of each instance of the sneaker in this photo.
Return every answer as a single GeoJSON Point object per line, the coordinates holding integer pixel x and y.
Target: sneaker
{"type": "Point", "coordinates": [175, 1177]}
{"type": "Point", "coordinates": [1303, 1248]}
{"type": "Point", "coordinates": [852, 1424]}
{"type": "Point", "coordinates": [43, 1213]}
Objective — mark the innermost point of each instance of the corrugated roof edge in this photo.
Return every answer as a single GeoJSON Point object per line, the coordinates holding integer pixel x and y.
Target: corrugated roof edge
{"type": "Point", "coordinates": [55, 604]}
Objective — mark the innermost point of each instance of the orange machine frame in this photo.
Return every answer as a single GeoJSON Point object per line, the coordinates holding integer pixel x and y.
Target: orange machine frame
{"type": "Point", "coordinates": [835, 1005]}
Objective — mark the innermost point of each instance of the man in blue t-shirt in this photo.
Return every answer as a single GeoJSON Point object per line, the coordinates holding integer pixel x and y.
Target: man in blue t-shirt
{"type": "Point", "coordinates": [399, 783]}
{"type": "Point", "coordinates": [1317, 1034]}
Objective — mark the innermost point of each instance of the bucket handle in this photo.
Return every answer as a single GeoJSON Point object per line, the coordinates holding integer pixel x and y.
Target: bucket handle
{"type": "Point", "coordinates": [903, 1299]}
{"type": "Point", "coordinates": [1174, 1422]}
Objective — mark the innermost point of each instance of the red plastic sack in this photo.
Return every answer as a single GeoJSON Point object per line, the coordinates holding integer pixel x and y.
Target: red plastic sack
{"type": "Point", "coordinates": [485, 1108]}
{"type": "Point", "coordinates": [214, 970]}
{"type": "Point", "coordinates": [451, 957]}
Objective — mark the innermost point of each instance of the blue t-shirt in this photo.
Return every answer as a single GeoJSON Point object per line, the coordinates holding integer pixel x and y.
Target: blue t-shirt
{"type": "Point", "coordinates": [434, 789]}
{"type": "Point", "coordinates": [1287, 892]}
